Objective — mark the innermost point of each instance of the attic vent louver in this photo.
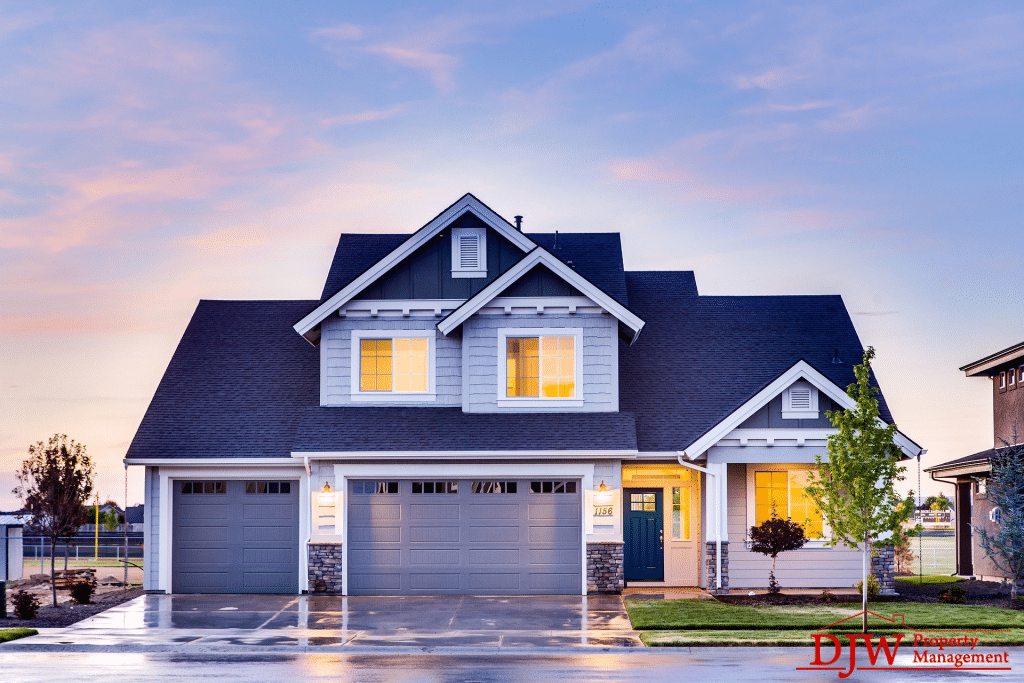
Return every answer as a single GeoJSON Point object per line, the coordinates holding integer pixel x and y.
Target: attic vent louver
{"type": "Point", "coordinates": [800, 398]}
{"type": "Point", "coordinates": [469, 252]}
{"type": "Point", "coordinates": [800, 402]}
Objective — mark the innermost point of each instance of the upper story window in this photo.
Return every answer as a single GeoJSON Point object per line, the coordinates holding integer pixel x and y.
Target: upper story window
{"type": "Point", "coordinates": [399, 367]}
{"type": "Point", "coordinates": [800, 402]}
{"type": "Point", "coordinates": [469, 252]}
{"type": "Point", "coordinates": [1011, 378]}
{"type": "Point", "coordinates": [1002, 380]}
{"type": "Point", "coordinates": [540, 367]}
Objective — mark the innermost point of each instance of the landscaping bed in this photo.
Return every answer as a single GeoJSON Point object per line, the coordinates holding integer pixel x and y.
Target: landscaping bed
{"type": "Point", "coordinates": [67, 613]}
{"type": "Point", "coordinates": [988, 593]}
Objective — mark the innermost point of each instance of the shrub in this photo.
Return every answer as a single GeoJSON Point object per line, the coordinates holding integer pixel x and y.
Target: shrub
{"type": "Point", "coordinates": [954, 595]}
{"type": "Point", "coordinates": [827, 597]}
{"type": "Point", "coordinates": [26, 605]}
{"type": "Point", "coordinates": [81, 592]}
{"type": "Point", "coordinates": [774, 536]}
{"type": "Point", "coordinates": [873, 588]}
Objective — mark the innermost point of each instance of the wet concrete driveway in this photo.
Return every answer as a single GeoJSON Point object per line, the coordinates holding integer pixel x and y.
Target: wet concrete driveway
{"type": "Point", "coordinates": [323, 624]}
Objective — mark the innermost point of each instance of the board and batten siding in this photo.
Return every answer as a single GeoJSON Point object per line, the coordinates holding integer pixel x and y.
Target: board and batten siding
{"type": "Point", "coordinates": [336, 360]}
{"type": "Point", "coordinates": [600, 385]}
{"type": "Point", "coordinates": [837, 567]}
{"type": "Point", "coordinates": [151, 533]}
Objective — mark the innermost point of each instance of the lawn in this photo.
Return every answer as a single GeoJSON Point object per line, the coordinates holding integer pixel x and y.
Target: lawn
{"type": "Point", "coordinates": [709, 622]}
{"type": "Point", "coordinates": [7, 634]}
{"type": "Point", "coordinates": [930, 579]}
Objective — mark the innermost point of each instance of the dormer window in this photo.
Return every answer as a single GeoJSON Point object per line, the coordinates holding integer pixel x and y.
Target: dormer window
{"type": "Point", "coordinates": [540, 367]}
{"type": "Point", "coordinates": [800, 402]}
{"type": "Point", "coordinates": [469, 252]}
{"type": "Point", "coordinates": [393, 365]}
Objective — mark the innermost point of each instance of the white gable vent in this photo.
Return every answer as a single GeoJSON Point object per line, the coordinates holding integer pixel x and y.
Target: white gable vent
{"type": "Point", "coordinates": [469, 252]}
{"type": "Point", "coordinates": [800, 402]}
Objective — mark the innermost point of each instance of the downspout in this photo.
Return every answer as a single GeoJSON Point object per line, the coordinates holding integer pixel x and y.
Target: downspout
{"type": "Point", "coordinates": [718, 514]}
{"type": "Point", "coordinates": [309, 511]}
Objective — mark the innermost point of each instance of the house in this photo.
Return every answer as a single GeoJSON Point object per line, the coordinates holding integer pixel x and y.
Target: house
{"type": "Point", "coordinates": [472, 408]}
{"type": "Point", "coordinates": [1005, 370]}
{"type": "Point", "coordinates": [12, 561]}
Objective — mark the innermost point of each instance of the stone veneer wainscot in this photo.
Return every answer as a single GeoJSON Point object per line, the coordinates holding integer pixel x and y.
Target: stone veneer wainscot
{"type": "Point", "coordinates": [325, 568]}
{"type": "Point", "coordinates": [604, 567]}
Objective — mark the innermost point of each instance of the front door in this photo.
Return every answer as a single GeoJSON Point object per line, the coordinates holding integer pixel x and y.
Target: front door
{"type": "Point", "coordinates": [644, 538]}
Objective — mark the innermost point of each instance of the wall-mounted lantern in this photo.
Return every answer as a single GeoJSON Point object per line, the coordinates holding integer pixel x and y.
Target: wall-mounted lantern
{"type": "Point", "coordinates": [326, 496]}
{"type": "Point", "coordinates": [604, 501]}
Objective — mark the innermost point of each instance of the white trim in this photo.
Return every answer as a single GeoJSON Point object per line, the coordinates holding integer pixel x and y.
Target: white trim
{"type": "Point", "coordinates": [168, 475]}
{"type": "Point", "coordinates": [540, 305]}
{"type": "Point", "coordinates": [536, 257]}
{"type": "Point", "coordinates": [393, 396]}
{"type": "Point", "coordinates": [465, 455]}
{"type": "Point", "coordinates": [789, 412]}
{"type": "Point", "coordinates": [582, 471]}
{"type": "Point", "coordinates": [200, 462]}
{"type": "Point", "coordinates": [505, 401]}
{"type": "Point", "coordinates": [405, 308]}
{"type": "Point", "coordinates": [459, 270]}
{"type": "Point", "coordinates": [753, 467]}
{"type": "Point", "coordinates": [466, 203]}
{"type": "Point", "coordinates": [800, 370]}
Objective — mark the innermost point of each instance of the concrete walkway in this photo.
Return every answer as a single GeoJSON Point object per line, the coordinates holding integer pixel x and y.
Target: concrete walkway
{"type": "Point", "coordinates": [188, 623]}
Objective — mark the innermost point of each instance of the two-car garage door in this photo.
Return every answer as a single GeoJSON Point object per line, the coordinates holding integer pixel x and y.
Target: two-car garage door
{"type": "Point", "coordinates": [464, 536]}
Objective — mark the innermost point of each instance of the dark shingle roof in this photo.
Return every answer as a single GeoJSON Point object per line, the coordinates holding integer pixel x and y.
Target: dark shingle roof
{"type": "Point", "coordinates": [980, 459]}
{"type": "Point", "coordinates": [449, 429]}
{"type": "Point", "coordinates": [700, 358]}
{"type": "Point", "coordinates": [354, 255]}
{"type": "Point", "coordinates": [235, 385]}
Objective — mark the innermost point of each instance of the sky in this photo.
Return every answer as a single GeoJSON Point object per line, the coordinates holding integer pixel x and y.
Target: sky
{"type": "Point", "coordinates": [152, 154]}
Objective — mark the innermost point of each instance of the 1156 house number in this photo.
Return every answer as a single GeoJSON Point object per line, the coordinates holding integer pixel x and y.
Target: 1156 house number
{"type": "Point", "coordinates": [604, 510]}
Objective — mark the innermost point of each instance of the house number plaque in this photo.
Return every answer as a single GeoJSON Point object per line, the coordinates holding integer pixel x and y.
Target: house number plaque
{"type": "Point", "coordinates": [604, 510]}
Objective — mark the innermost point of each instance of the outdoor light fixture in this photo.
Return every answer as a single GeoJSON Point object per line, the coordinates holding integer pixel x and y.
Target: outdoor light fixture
{"type": "Point", "coordinates": [326, 496]}
{"type": "Point", "coordinates": [602, 496]}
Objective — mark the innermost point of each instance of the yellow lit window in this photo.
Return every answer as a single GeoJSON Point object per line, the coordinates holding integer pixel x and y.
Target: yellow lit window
{"type": "Point", "coordinates": [396, 365]}
{"type": "Point", "coordinates": [541, 367]}
{"type": "Point", "coordinates": [784, 492]}
{"type": "Point", "coordinates": [680, 513]}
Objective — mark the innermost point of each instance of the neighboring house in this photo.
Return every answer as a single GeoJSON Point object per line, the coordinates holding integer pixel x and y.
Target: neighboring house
{"type": "Point", "coordinates": [135, 516]}
{"type": "Point", "coordinates": [475, 409]}
{"type": "Point", "coordinates": [12, 526]}
{"type": "Point", "coordinates": [1005, 370]}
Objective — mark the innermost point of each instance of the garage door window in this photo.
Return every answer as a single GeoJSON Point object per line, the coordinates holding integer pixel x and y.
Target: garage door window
{"type": "Point", "coordinates": [435, 487]}
{"type": "Point", "coordinates": [268, 487]}
{"type": "Point", "coordinates": [204, 487]}
{"type": "Point", "coordinates": [552, 487]}
{"type": "Point", "coordinates": [374, 487]}
{"type": "Point", "coordinates": [494, 487]}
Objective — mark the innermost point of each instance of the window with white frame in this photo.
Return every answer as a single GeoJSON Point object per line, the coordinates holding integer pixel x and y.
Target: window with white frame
{"type": "Point", "coordinates": [392, 365]}
{"type": "Point", "coordinates": [540, 367]}
{"type": "Point", "coordinates": [780, 490]}
{"type": "Point", "coordinates": [800, 401]}
{"type": "Point", "coordinates": [469, 252]}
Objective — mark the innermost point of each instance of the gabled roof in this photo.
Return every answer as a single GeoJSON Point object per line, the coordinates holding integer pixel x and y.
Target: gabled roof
{"type": "Point", "coordinates": [309, 326]}
{"type": "Point", "coordinates": [701, 358]}
{"type": "Point", "coordinates": [989, 364]}
{"type": "Point", "coordinates": [974, 462]}
{"type": "Point", "coordinates": [540, 256]}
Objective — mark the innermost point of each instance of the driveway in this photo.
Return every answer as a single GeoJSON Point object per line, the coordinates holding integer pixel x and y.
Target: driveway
{"type": "Point", "coordinates": [185, 623]}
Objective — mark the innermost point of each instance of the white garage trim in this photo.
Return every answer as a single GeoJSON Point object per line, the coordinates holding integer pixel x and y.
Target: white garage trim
{"type": "Point", "coordinates": [342, 473]}
{"type": "Point", "coordinates": [168, 475]}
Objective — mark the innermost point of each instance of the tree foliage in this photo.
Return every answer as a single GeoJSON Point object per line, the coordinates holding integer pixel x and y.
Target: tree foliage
{"type": "Point", "coordinates": [855, 489]}
{"type": "Point", "coordinates": [774, 536]}
{"type": "Point", "coordinates": [1005, 490]}
{"type": "Point", "coordinates": [54, 484]}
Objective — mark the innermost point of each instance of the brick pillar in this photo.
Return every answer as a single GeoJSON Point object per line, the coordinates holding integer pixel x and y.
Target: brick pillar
{"type": "Point", "coordinates": [325, 568]}
{"type": "Point", "coordinates": [604, 567]}
{"type": "Point", "coordinates": [712, 568]}
{"type": "Point", "coordinates": [883, 568]}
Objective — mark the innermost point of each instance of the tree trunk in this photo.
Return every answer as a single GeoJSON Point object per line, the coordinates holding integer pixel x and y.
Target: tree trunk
{"type": "Point", "coordinates": [53, 575]}
{"type": "Point", "coordinates": [864, 586]}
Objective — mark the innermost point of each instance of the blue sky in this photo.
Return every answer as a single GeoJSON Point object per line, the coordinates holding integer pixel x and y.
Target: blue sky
{"type": "Point", "coordinates": [152, 154]}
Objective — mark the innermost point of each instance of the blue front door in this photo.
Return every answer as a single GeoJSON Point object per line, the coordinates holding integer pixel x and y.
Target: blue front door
{"type": "Point", "coordinates": [644, 542]}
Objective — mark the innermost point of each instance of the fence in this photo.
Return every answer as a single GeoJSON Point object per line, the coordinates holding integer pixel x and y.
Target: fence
{"type": "Point", "coordinates": [35, 552]}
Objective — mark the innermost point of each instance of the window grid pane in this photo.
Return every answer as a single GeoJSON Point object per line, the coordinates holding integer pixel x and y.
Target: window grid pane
{"type": "Point", "coordinates": [681, 513]}
{"type": "Point", "coordinates": [522, 366]}
{"type": "Point", "coordinates": [375, 368]}
{"type": "Point", "coordinates": [410, 364]}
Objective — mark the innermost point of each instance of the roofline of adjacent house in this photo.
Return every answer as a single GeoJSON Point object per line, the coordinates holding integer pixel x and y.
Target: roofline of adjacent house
{"type": "Point", "coordinates": [996, 359]}
{"type": "Point", "coordinates": [799, 370]}
{"type": "Point", "coordinates": [307, 326]}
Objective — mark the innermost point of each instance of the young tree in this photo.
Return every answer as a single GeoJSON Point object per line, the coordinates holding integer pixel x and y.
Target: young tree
{"type": "Point", "coordinates": [774, 536]}
{"type": "Point", "coordinates": [111, 519]}
{"type": "Point", "coordinates": [1005, 491]}
{"type": "Point", "coordinates": [855, 489]}
{"type": "Point", "coordinates": [54, 485]}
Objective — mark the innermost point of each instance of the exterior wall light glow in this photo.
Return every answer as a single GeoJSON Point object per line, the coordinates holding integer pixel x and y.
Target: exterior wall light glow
{"type": "Point", "coordinates": [326, 496]}
{"type": "Point", "coordinates": [603, 496]}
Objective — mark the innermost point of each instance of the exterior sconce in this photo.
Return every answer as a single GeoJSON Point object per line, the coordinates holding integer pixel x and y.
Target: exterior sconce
{"type": "Point", "coordinates": [603, 496]}
{"type": "Point", "coordinates": [326, 496]}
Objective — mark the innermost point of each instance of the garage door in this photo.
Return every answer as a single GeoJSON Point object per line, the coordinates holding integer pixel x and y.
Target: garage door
{"type": "Point", "coordinates": [464, 536]}
{"type": "Point", "coordinates": [235, 537]}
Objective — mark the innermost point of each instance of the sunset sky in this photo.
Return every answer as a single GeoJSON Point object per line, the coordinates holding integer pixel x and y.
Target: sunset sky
{"type": "Point", "coordinates": [152, 154]}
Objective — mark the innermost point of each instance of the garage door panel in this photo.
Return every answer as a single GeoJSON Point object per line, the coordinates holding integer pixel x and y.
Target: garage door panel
{"type": "Point", "coordinates": [255, 511]}
{"type": "Point", "coordinates": [212, 534]}
{"type": "Point", "coordinates": [424, 556]}
{"type": "Point", "coordinates": [199, 556]}
{"type": "Point", "coordinates": [205, 512]}
{"type": "Point", "coordinates": [266, 533]}
{"type": "Point", "coordinates": [267, 556]}
{"type": "Point", "coordinates": [463, 542]}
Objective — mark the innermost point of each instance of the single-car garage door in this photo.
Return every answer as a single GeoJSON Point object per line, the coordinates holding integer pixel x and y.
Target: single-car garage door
{"type": "Point", "coordinates": [235, 537]}
{"type": "Point", "coordinates": [464, 536]}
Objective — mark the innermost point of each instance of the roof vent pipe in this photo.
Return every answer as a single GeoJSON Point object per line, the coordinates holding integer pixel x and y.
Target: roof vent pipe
{"type": "Point", "coordinates": [556, 241]}
{"type": "Point", "coordinates": [519, 223]}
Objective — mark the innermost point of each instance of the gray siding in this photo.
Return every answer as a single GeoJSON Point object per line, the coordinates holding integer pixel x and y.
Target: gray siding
{"type": "Point", "coordinates": [836, 567]}
{"type": "Point", "coordinates": [336, 360]}
{"type": "Point", "coordinates": [600, 382]}
{"type": "Point", "coordinates": [151, 534]}
{"type": "Point", "coordinates": [770, 416]}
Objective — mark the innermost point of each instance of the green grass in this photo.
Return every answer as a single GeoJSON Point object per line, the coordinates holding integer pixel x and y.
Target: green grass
{"type": "Point", "coordinates": [711, 615]}
{"type": "Point", "coordinates": [787, 638]}
{"type": "Point", "coordinates": [930, 579]}
{"type": "Point", "coordinates": [7, 634]}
